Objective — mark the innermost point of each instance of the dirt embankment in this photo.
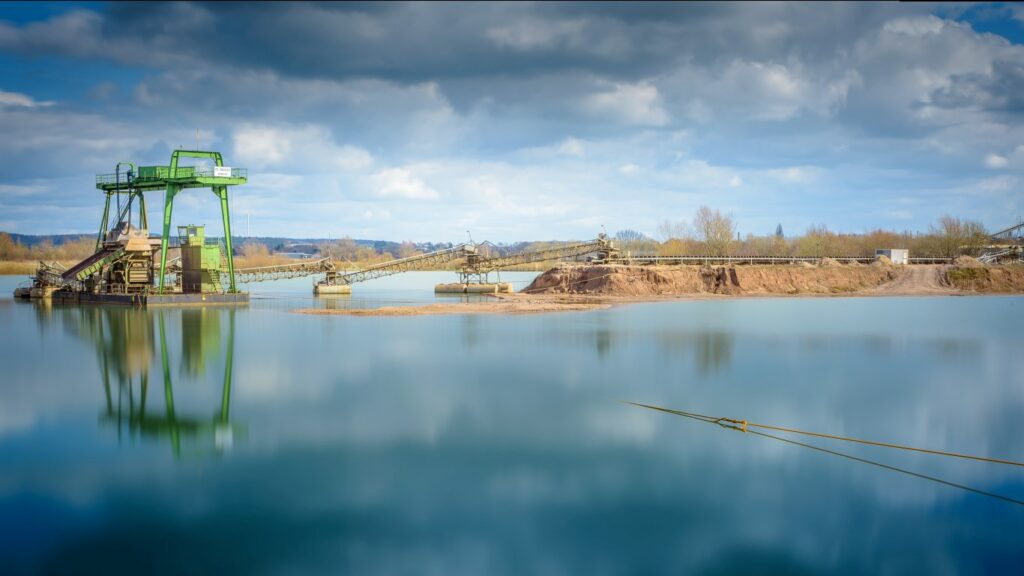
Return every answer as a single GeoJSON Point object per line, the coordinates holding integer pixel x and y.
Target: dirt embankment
{"type": "Point", "coordinates": [831, 278]}
{"type": "Point", "coordinates": [614, 280]}
{"type": "Point", "coordinates": [986, 279]}
{"type": "Point", "coordinates": [575, 288]}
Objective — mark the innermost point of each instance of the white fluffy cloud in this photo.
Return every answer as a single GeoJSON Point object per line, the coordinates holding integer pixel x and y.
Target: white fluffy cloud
{"type": "Point", "coordinates": [995, 161]}
{"type": "Point", "coordinates": [637, 104]}
{"type": "Point", "coordinates": [401, 184]}
{"type": "Point", "coordinates": [19, 99]}
{"type": "Point", "coordinates": [261, 146]}
{"type": "Point", "coordinates": [296, 149]}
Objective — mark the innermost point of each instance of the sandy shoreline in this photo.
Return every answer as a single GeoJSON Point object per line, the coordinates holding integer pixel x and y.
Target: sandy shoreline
{"type": "Point", "coordinates": [499, 305]}
{"type": "Point", "coordinates": [515, 304]}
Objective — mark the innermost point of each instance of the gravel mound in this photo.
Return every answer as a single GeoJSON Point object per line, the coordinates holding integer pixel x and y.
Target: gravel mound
{"type": "Point", "coordinates": [967, 262]}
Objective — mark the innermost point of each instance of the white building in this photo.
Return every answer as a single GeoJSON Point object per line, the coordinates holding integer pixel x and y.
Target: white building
{"type": "Point", "coordinates": [897, 255]}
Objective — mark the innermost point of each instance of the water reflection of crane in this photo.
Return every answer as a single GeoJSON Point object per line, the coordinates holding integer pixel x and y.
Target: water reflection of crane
{"type": "Point", "coordinates": [125, 344]}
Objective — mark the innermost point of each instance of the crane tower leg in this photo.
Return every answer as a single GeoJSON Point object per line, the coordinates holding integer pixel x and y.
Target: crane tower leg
{"type": "Point", "coordinates": [103, 223]}
{"type": "Point", "coordinates": [222, 192]}
{"type": "Point", "coordinates": [168, 208]}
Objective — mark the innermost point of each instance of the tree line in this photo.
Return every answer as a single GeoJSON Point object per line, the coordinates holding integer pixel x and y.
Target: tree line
{"type": "Point", "coordinates": [711, 233]}
{"type": "Point", "coordinates": [13, 251]}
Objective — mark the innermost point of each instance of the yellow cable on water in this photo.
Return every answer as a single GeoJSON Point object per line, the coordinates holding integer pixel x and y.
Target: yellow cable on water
{"type": "Point", "coordinates": [742, 425]}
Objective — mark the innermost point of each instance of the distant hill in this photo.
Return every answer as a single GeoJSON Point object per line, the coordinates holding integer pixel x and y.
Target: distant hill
{"type": "Point", "coordinates": [55, 239]}
{"type": "Point", "coordinates": [273, 243]}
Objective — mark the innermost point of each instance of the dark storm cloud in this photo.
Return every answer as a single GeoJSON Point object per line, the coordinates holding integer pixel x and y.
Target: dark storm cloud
{"type": "Point", "coordinates": [417, 41]}
{"type": "Point", "coordinates": [1002, 89]}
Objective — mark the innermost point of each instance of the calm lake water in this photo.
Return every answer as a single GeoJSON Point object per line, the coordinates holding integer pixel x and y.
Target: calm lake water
{"type": "Point", "coordinates": [255, 440]}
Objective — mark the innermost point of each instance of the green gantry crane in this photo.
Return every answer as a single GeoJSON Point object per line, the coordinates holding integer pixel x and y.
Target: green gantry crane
{"type": "Point", "coordinates": [172, 179]}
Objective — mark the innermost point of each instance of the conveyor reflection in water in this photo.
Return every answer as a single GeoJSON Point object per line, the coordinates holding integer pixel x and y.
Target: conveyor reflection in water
{"type": "Point", "coordinates": [126, 342]}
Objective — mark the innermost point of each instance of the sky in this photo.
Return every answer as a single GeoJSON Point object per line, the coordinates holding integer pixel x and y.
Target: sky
{"type": "Point", "coordinates": [520, 121]}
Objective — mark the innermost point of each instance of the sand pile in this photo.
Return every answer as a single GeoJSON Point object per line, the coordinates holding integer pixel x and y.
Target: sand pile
{"type": "Point", "coordinates": [614, 280]}
{"type": "Point", "coordinates": [617, 280]}
{"type": "Point", "coordinates": [881, 261]}
{"type": "Point", "coordinates": [823, 280]}
{"type": "Point", "coordinates": [826, 261]}
{"type": "Point", "coordinates": [967, 262]}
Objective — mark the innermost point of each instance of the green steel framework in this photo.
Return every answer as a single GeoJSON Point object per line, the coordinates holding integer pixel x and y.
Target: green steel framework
{"type": "Point", "coordinates": [172, 179]}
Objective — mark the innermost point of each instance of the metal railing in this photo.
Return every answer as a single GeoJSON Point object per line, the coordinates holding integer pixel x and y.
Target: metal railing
{"type": "Point", "coordinates": [739, 260]}
{"type": "Point", "coordinates": [156, 173]}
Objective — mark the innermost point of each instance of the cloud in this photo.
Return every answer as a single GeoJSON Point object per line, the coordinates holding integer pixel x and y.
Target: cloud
{"type": "Point", "coordinates": [353, 158]}
{"type": "Point", "coordinates": [794, 174]}
{"type": "Point", "coordinates": [532, 33]}
{"type": "Point", "coordinates": [995, 161]}
{"type": "Point", "coordinates": [261, 146]}
{"type": "Point", "coordinates": [297, 149]}
{"type": "Point", "coordinates": [638, 104]}
{"type": "Point", "coordinates": [997, 184]}
{"type": "Point", "coordinates": [914, 27]}
{"type": "Point", "coordinates": [571, 147]}
{"type": "Point", "coordinates": [14, 99]}
{"type": "Point", "coordinates": [12, 190]}
{"type": "Point", "coordinates": [802, 113]}
{"type": "Point", "coordinates": [400, 183]}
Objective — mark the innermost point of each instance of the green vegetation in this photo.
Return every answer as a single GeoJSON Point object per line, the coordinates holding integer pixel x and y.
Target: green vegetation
{"type": "Point", "coordinates": [966, 277]}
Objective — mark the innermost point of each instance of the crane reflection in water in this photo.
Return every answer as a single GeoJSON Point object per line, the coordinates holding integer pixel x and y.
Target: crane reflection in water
{"type": "Point", "coordinates": [126, 345]}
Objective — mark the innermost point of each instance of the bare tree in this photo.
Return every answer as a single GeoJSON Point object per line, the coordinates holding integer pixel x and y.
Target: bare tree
{"type": "Point", "coordinates": [714, 230]}
{"type": "Point", "coordinates": [954, 236]}
{"type": "Point", "coordinates": [818, 241]}
{"type": "Point", "coordinates": [673, 230]}
{"type": "Point", "coordinates": [635, 243]}
{"type": "Point", "coordinates": [975, 237]}
{"type": "Point", "coordinates": [407, 249]}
